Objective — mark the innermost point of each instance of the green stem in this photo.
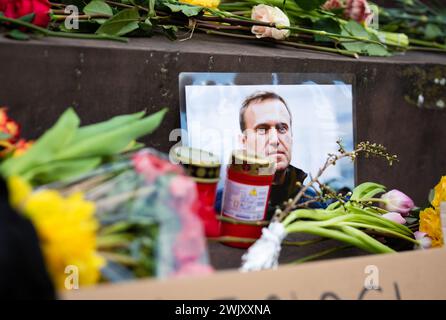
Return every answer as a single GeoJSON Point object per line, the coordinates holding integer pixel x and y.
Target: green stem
{"type": "Point", "coordinates": [321, 254]}
{"type": "Point", "coordinates": [377, 228]}
{"type": "Point", "coordinates": [50, 33]}
{"type": "Point", "coordinates": [427, 44]}
{"type": "Point", "coordinates": [252, 240]}
{"type": "Point", "coordinates": [336, 235]}
{"type": "Point", "coordinates": [251, 22]}
{"type": "Point", "coordinates": [413, 48]}
{"type": "Point", "coordinates": [368, 241]}
{"type": "Point", "coordinates": [299, 45]}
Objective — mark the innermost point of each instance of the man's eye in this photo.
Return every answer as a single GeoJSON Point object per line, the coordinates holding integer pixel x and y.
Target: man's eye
{"type": "Point", "coordinates": [261, 130]}
{"type": "Point", "coordinates": [282, 129]}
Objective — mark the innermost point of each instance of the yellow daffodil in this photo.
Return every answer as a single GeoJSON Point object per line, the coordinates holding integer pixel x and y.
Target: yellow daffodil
{"type": "Point", "coordinates": [203, 3]}
{"type": "Point", "coordinates": [66, 227]}
{"type": "Point", "coordinates": [19, 190]}
{"type": "Point", "coordinates": [430, 223]}
{"type": "Point", "coordinates": [440, 193]}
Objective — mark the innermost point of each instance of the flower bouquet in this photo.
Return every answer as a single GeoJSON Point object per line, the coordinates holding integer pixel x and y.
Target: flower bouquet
{"type": "Point", "coordinates": [367, 218]}
{"type": "Point", "coordinates": [103, 210]}
{"type": "Point", "coordinates": [336, 26]}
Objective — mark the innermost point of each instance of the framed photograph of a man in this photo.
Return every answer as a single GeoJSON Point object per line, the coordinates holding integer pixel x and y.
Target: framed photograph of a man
{"type": "Point", "coordinates": [293, 120]}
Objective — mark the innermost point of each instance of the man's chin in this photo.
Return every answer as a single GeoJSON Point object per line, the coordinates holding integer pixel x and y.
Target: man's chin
{"type": "Point", "coordinates": [281, 166]}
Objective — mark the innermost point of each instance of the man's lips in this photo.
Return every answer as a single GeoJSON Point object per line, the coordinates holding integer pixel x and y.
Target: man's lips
{"type": "Point", "coordinates": [276, 153]}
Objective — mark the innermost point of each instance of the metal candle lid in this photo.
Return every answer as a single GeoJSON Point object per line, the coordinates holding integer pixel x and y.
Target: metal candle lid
{"type": "Point", "coordinates": [251, 164]}
{"type": "Point", "coordinates": [202, 165]}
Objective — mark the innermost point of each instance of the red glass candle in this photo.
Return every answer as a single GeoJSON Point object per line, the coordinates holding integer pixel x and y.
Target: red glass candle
{"type": "Point", "coordinates": [245, 196]}
{"type": "Point", "coordinates": [204, 168]}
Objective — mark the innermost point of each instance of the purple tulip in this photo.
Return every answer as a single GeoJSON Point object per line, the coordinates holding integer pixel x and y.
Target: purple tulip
{"type": "Point", "coordinates": [396, 201]}
{"type": "Point", "coordinates": [395, 217]}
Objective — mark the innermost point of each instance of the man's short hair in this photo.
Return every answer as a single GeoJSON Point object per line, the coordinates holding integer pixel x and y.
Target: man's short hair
{"type": "Point", "coordinates": [259, 96]}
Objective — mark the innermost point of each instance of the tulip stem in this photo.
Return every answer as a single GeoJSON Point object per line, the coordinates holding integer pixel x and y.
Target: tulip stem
{"type": "Point", "coordinates": [374, 200]}
{"type": "Point", "coordinates": [50, 33]}
{"type": "Point", "coordinates": [321, 254]}
{"type": "Point", "coordinates": [252, 240]}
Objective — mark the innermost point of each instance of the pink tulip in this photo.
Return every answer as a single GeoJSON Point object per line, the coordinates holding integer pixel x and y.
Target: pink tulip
{"type": "Point", "coordinates": [425, 241]}
{"type": "Point", "coordinates": [396, 201]}
{"type": "Point", "coordinates": [395, 217]}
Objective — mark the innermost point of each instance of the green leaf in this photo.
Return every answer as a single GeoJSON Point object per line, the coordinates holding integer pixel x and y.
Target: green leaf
{"type": "Point", "coordinates": [43, 151]}
{"type": "Point", "coordinates": [368, 189]}
{"type": "Point", "coordinates": [60, 170]}
{"type": "Point", "coordinates": [98, 7]}
{"type": "Point", "coordinates": [122, 23]}
{"type": "Point", "coordinates": [28, 18]}
{"type": "Point", "coordinates": [170, 32]}
{"type": "Point", "coordinates": [112, 124]}
{"type": "Point", "coordinates": [352, 28]}
{"type": "Point", "coordinates": [328, 25]}
{"type": "Point", "coordinates": [151, 6]}
{"type": "Point", "coordinates": [309, 4]}
{"type": "Point", "coordinates": [18, 35]}
{"type": "Point", "coordinates": [113, 141]}
{"type": "Point", "coordinates": [432, 31]}
{"type": "Point", "coordinates": [187, 10]}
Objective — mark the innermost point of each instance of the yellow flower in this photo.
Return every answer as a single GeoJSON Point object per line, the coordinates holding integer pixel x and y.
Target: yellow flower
{"type": "Point", "coordinates": [203, 3]}
{"type": "Point", "coordinates": [440, 193]}
{"type": "Point", "coordinates": [66, 227]}
{"type": "Point", "coordinates": [19, 190]}
{"type": "Point", "coordinates": [431, 224]}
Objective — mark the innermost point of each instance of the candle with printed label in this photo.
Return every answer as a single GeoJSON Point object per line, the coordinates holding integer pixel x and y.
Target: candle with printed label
{"type": "Point", "coordinates": [245, 196]}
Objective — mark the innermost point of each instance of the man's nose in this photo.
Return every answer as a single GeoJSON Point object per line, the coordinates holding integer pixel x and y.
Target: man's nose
{"type": "Point", "coordinates": [273, 138]}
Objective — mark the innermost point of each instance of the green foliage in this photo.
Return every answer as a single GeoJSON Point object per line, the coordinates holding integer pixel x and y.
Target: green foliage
{"type": "Point", "coordinates": [352, 28]}
{"type": "Point", "coordinates": [16, 34]}
{"type": "Point", "coordinates": [98, 7]}
{"type": "Point", "coordinates": [187, 10]}
{"type": "Point", "coordinates": [351, 221]}
{"type": "Point", "coordinates": [309, 4]}
{"type": "Point", "coordinates": [123, 22]}
{"type": "Point", "coordinates": [66, 150]}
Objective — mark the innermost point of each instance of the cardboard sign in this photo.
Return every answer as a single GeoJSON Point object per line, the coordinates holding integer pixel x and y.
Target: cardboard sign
{"type": "Point", "coordinates": [405, 275]}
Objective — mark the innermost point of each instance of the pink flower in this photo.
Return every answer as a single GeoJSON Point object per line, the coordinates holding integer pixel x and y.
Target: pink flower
{"type": "Point", "coordinates": [194, 269]}
{"type": "Point", "coordinates": [190, 242]}
{"type": "Point", "coordinates": [266, 13]}
{"type": "Point", "coordinates": [396, 201]}
{"type": "Point", "coordinates": [152, 166]}
{"type": "Point", "coordinates": [332, 4]}
{"type": "Point", "coordinates": [395, 217]}
{"type": "Point", "coordinates": [358, 10]}
{"type": "Point", "coordinates": [425, 241]}
{"type": "Point", "coordinates": [182, 186]}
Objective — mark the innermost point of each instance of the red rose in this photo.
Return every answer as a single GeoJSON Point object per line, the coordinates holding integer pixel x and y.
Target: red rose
{"type": "Point", "coordinates": [19, 8]}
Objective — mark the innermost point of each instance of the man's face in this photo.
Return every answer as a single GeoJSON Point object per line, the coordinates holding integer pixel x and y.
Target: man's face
{"type": "Point", "coordinates": [268, 131]}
